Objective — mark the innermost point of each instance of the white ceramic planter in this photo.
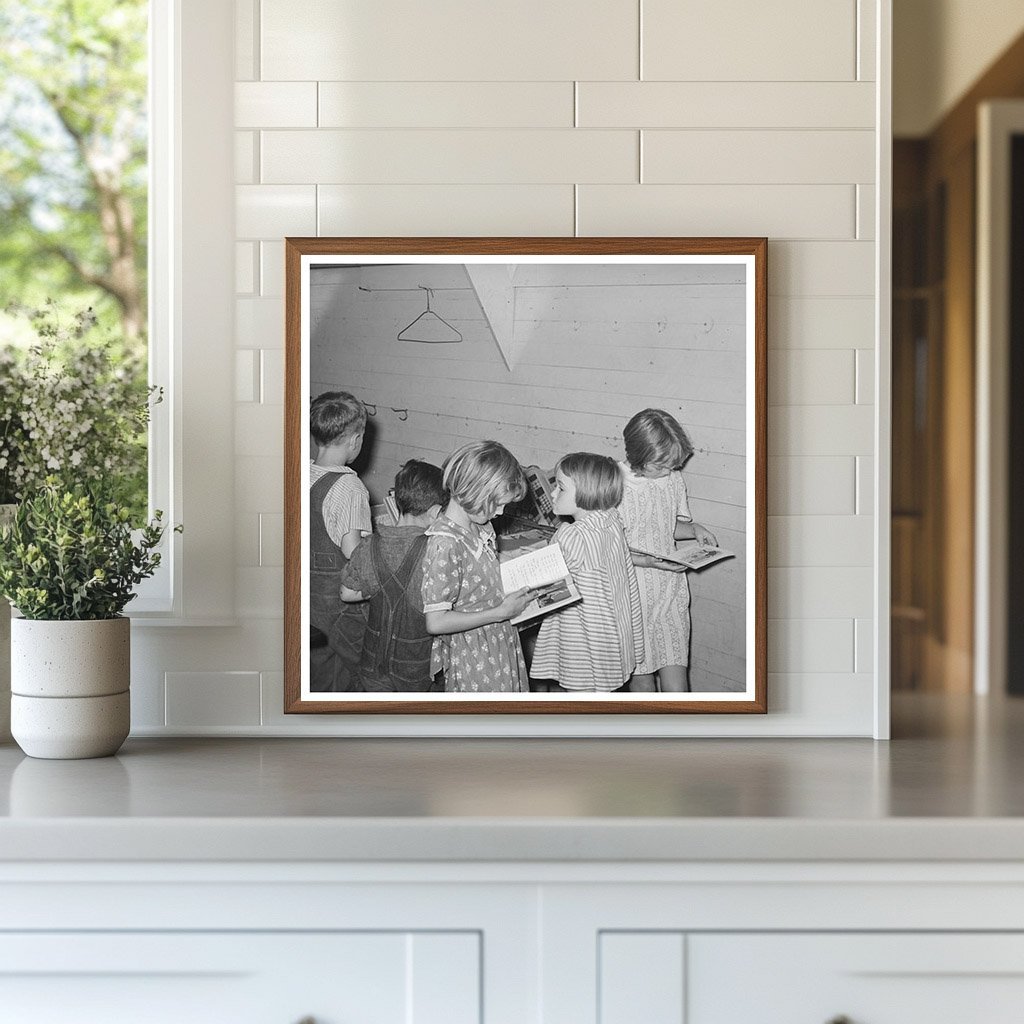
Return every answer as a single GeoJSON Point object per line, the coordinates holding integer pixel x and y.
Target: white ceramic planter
{"type": "Point", "coordinates": [66, 727]}
{"type": "Point", "coordinates": [69, 684]}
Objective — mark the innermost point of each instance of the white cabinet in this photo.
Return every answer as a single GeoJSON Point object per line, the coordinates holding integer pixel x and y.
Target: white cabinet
{"type": "Point", "coordinates": [241, 978]}
{"type": "Point", "coordinates": [811, 978]}
{"type": "Point", "coordinates": [869, 979]}
{"type": "Point", "coordinates": [511, 943]}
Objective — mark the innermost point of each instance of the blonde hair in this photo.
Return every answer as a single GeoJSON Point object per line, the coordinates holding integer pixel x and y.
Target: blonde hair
{"type": "Point", "coordinates": [483, 475]}
{"type": "Point", "coordinates": [655, 438]}
{"type": "Point", "coordinates": [598, 480]}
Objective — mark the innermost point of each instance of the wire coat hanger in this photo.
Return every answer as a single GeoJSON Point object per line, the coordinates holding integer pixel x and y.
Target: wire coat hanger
{"type": "Point", "coordinates": [429, 328]}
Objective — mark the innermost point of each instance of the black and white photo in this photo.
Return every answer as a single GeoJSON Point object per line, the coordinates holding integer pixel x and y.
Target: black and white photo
{"type": "Point", "coordinates": [455, 404]}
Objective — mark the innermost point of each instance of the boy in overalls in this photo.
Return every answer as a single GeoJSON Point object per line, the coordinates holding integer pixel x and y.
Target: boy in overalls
{"type": "Point", "coordinates": [387, 571]}
{"type": "Point", "coordinates": [339, 514]}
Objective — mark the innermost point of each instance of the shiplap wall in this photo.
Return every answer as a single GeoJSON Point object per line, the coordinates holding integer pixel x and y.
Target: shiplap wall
{"type": "Point", "coordinates": [550, 117]}
{"type": "Point", "coordinates": [594, 345]}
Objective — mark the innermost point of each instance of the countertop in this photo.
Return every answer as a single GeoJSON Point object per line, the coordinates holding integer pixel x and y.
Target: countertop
{"type": "Point", "coordinates": [946, 788]}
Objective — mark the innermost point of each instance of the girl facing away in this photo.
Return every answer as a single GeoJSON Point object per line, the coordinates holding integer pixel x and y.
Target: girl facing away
{"type": "Point", "coordinates": [593, 645]}
{"type": "Point", "coordinates": [655, 513]}
{"type": "Point", "coordinates": [467, 612]}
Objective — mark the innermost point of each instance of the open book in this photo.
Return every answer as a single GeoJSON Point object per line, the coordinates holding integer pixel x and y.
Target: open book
{"type": "Point", "coordinates": [545, 571]}
{"type": "Point", "coordinates": [694, 558]}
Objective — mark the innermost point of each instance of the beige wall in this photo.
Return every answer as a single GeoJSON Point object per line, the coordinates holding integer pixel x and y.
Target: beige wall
{"type": "Point", "coordinates": [940, 48]}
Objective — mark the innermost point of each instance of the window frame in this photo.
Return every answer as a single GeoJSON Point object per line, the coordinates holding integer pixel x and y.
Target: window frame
{"type": "Point", "coordinates": [191, 299]}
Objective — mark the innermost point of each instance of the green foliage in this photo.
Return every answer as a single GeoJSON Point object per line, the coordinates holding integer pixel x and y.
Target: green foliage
{"type": "Point", "coordinates": [73, 155]}
{"type": "Point", "coordinates": [71, 554]}
{"type": "Point", "coordinates": [76, 408]}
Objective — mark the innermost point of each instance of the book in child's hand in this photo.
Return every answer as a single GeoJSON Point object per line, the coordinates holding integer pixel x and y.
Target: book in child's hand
{"type": "Point", "coordinates": [692, 558]}
{"type": "Point", "coordinates": [544, 571]}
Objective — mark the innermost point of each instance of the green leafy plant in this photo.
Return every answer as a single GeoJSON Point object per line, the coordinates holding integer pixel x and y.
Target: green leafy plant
{"type": "Point", "coordinates": [75, 408]}
{"type": "Point", "coordinates": [72, 554]}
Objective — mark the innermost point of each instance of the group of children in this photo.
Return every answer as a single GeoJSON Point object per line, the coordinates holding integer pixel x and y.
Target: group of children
{"type": "Point", "coordinates": [419, 606]}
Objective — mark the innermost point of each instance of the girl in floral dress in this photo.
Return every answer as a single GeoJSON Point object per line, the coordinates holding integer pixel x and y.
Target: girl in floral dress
{"type": "Point", "coordinates": [467, 612]}
{"type": "Point", "coordinates": [655, 513]}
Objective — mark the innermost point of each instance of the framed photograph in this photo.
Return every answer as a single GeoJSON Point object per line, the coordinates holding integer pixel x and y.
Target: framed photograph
{"type": "Point", "coordinates": [525, 475]}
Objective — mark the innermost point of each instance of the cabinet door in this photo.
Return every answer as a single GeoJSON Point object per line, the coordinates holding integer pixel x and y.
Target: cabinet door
{"type": "Point", "coordinates": [863, 978]}
{"type": "Point", "coordinates": [242, 978]}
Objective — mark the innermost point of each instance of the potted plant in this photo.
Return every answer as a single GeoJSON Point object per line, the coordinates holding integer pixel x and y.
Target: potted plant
{"type": "Point", "coordinates": [73, 406]}
{"type": "Point", "coordinates": [69, 563]}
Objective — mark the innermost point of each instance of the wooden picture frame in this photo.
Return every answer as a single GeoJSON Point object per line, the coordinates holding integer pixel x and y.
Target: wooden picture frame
{"type": "Point", "coordinates": [560, 341]}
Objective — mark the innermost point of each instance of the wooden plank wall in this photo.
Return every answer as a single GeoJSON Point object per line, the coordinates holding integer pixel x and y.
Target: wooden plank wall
{"type": "Point", "coordinates": [595, 344]}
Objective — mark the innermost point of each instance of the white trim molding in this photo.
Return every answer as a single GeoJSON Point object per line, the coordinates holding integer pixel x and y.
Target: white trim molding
{"type": "Point", "coordinates": [191, 310]}
{"type": "Point", "coordinates": [998, 122]}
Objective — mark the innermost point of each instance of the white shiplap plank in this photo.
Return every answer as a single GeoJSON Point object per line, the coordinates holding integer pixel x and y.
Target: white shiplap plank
{"type": "Point", "coordinates": [811, 645]}
{"type": "Point", "coordinates": [446, 209]}
{"type": "Point", "coordinates": [821, 430]}
{"type": "Point", "coordinates": [246, 375]}
{"type": "Point", "coordinates": [259, 429]}
{"type": "Point", "coordinates": [246, 49]}
{"type": "Point", "coordinates": [259, 484]}
{"type": "Point", "coordinates": [259, 323]}
{"type": "Point", "coordinates": [275, 104]}
{"type": "Point", "coordinates": [824, 703]}
{"type": "Point", "coordinates": [273, 211]}
{"type": "Point", "coordinates": [446, 105]}
{"type": "Point", "coordinates": [773, 211]}
{"type": "Point", "coordinates": [864, 650]}
{"type": "Point", "coordinates": [259, 592]}
{"type": "Point", "coordinates": [271, 269]}
{"type": "Point", "coordinates": [757, 157]}
{"type": "Point", "coordinates": [212, 698]}
{"type": "Point", "coordinates": [271, 539]}
{"type": "Point", "coordinates": [819, 268]}
{"type": "Point", "coordinates": [451, 40]}
{"type": "Point", "coordinates": [737, 105]}
{"type": "Point", "coordinates": [865, 485]}
{"type": "Point", "coordinates": [828, 592]}
{"type": "Point", "coordinates": [867, 54]}
{"type": "Point", "coordinates": [735, 40]}
{"type": "Point", "coordinates": [806, 540]}
{"type": "Point", "coordinates": [811, 377]}
{"type": "Point", "coordinates": [525, 402]}
{"type": "Point", "coordinates": [247, 539]}
{"type": "Point", "coordinates": [813, 322]}
{"type": "Point", "coordinates": [272, 376]}
{"type": "Point", "coordinates": [245, 268]}
{"type": "Point", "coordinates": [811, 486]}
{"type": "Point", "coordinates": [865, 376]}
{"type": "Point", "coordinates": [866, 211]}
{"type": "Point", "coordinates": [245, 158]}
{"type": "Point", "coordinates": [471, 157]}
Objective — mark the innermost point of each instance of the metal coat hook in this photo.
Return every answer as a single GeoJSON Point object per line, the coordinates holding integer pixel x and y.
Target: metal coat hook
{"type": "Point", "coordinates": [403, 414]}
{"type": "Point", "coordinates": [371, 409]}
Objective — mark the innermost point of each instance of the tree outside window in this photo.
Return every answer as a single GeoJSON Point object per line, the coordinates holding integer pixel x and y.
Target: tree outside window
{"type": "Point", "coordinates": [73, 172]}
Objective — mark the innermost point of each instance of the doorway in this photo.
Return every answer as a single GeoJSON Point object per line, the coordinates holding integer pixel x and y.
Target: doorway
{"type": "Point", "coordinates": [951, 587]}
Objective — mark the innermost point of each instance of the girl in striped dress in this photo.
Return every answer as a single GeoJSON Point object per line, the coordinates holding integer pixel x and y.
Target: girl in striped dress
{"type": "Point", "coordinates": [593, 645]}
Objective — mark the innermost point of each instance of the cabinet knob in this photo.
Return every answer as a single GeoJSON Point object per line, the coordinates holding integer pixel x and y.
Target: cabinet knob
{"type": "Point", "coordinates": [841, 1019]}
